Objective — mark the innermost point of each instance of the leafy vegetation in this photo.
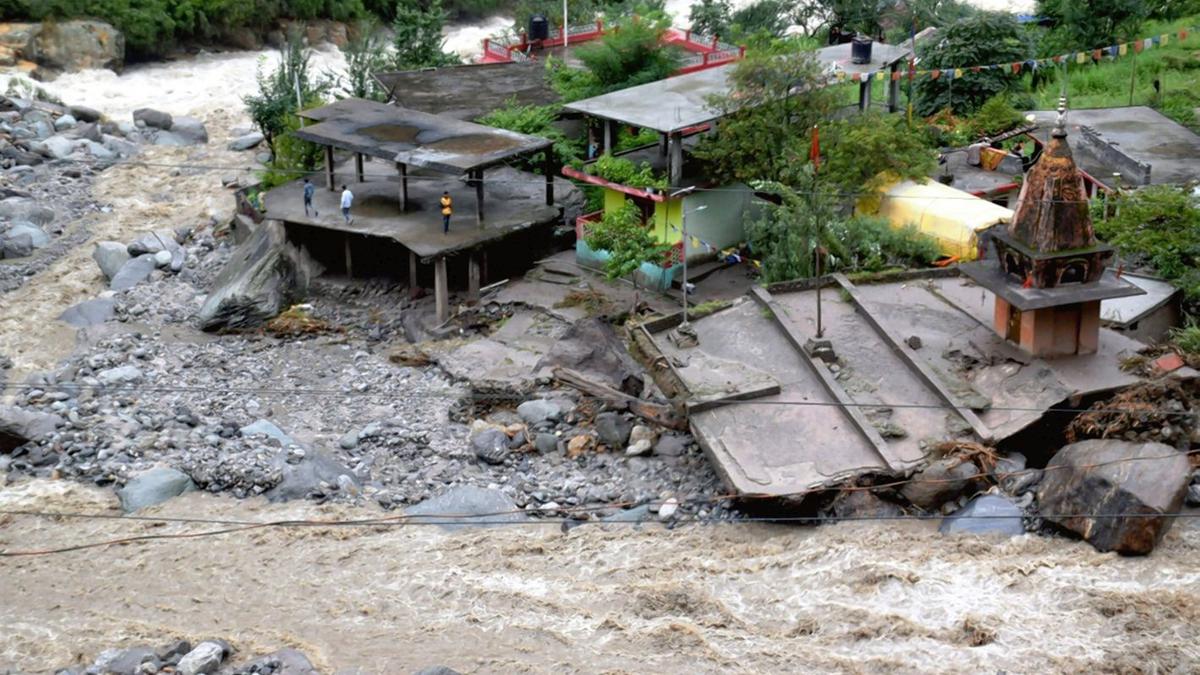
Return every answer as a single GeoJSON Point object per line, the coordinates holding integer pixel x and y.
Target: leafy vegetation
{"type": "Point", "coordinates": [983, 38]}
{"type": "Point", "coordinates": [625, 172]}
{"type": "Point", "coordinates": [862, 153]}
{"type": "Point", "coordinates": [711, 17]}
{"type": "Point", "coordinates": [1095, 23]}
{"type": "Point", "coordinates": [1186, 338]}
{"type": "Point", "coordinates": [418, 41]}
{"type": "Point", "coordinates": [996, 116]}
{"type": "Point", "coordinates": [628, 242]}
{"type": "Point", "coordinates": [364, 54]}
{"type": "Point", "coordinates": [631, 55]}
{"type": "Point", "coordinates": [537, 121]}
{"type": "Point", "coordinates": [1158, 226]}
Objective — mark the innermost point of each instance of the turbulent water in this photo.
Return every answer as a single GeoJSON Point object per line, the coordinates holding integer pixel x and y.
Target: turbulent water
{"type": "Point", "coordinates": [895, 598]}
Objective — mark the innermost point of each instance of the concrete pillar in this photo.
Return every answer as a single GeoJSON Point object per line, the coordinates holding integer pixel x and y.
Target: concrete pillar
{"type": "Point", "coordinates": [483, 272]}
{"type": "Point", "coordinates": [413, 289]}
{"type": "Point", "coordinates": [403, 169]}
{"type": "Point", "coordinates": [1089, 327]}
{"type": "Point", "coordinates": [893, 96]}
{"type": "Point", "coordinates": [329, 167]}
{"type": "Point", "coordinates": [472, 278]}
{"type": "Point", "coordinates": [550, 168]}
{"type": "Point", "coordinates": [675, 161]}
{"type": "Point", "coordinates": [349, 261]}
{"type": "Point", "coordinates": [441, 291]}
{"type": "Point", "coordinates": [663, 143]}
{"type": "Point", "coordinates": [864, 95]}
{"type": "Point", "coordinates": [479, 197]}
{"type": "Point", "coordinates": [608, 137]}
{"type": "Point", "coordinates": [358, 168]}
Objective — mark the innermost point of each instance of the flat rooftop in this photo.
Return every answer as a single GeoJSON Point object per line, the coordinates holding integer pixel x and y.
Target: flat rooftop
{"type": "Point", "coordinates": [471, 91]}
{"type": "Point", "coordinates": [883, 56]}
{"type": "Point", "coordinates": [917, 363]}
{"type": "Point", "coordinates": [666, 106]}
{"type": "Point", "coordinates": [1143, 134]}
{"type": "Point", "coordinates": [514, 201]}
{"type": "Point", "coordinates": [412, 137]}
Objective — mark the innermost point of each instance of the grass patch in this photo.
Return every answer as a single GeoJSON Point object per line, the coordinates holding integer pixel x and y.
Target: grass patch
{"type": "Point", "coordinates": [706, 308]}
{"type": "Point", "coordinates": [1187, 338]}
{"type": "Point", "coordinates": [591, 301]}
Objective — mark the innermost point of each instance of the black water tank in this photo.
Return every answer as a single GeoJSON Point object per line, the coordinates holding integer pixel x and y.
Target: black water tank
{"type": "Point", "coordinates": [539, 28]}
{"type": "Point", "coordinates": [860, 49]}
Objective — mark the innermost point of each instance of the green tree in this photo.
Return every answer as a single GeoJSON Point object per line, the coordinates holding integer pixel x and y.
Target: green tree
{"type": "Point", "coordinates": [786, 237]}
{"type": "Point", "coordinates": [982, 39]}
{"type": "Point", "coordinates": [711, 17]}
{"type": "Point", "coordinates": [762, 17]}
{"type": "Point", "coordinates": [1080, 25]}
{"type": "Point", "coordinates": [628, 242]}
{"type": "Point", "coordinates": [631, 55]}
{"type": "Point", "coordinates": [365, 55]}
{"type": "Point", "coordinates": [766, 119]}
{"type": "Point", "coordinates": [418, 38]}
{"type": "Point", "coordinates": [864, 152]}
{"type": "Point", "coordinates": [284, 91]}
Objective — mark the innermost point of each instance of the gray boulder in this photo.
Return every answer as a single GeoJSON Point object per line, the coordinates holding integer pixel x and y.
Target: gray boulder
{"type": "Point", "coordinates": [65, 122]}
{"type": "Point", "coordinates": [247, 142]}
{"type": "Point", "coordinates": [1088, 487]}
{"type": "Point", "coordinates": [286, 661]}
{"type": "Point", "coordinates": [19, 426]}
{"type": "Point", "coordinates": [153, 118]}
{"type": "Point", "coordinates": [133, 273]}
{"type": "Point", "coordinates": [539, 410]}
{"type": "Point", "coordinates": [263, 277]}
{"type": "Point", "coordinates": [27, 210]}
{"type": "Point", "coordinates": [153, 242]}
{"type": "Point", "coordinates": [472, 506]}
{"type": "Point", "coordinates": [190, 129]}
{"type": "Point", "coordinates": [854, 504]}
{"type": "Point", "coordinates": [153, 487]}
{"type": "Point", "coordinates": [119, 375]}
{"type": "Point", "coordinates": [170, 138]}
{"type": "Point", "coordinates": [613, 429]}
{"type": "Point", "coordinates": [985, 514]}
{"type": "Point", "coordinates": [15, 245]}
{"type": "Point", "coordinates": [119, 146]}
{"type": "Point", "coordinates": [89, 312]}
{"type": "Point", "coordinates": [127, 661]}
{"type": "Point", "coordinates": [304, 478]}
{"type": "Point", "coordinates": [545, 443]}
{"type": "Point", "coordinates": [37, 236]}
{"type": "Point", "coordinates": [672, 445]}
{"type": "Point", "coordinates": [593, 348]}
{"type": "Point", "coordinates": [490, 445]}
{"type": "Point", "coordinates": [80, 45]}
{"type": "Point", "coordinates": [938, 483]}
{"type": "Point", "coordinates": [60, 147]}
{"type": "Point", "coordinates": [96, 150]}
{"type": "Point", "coordinates": [204, 659]}
{"type": "Point", "coordinates": [268, 429]}
{"type": "Point", "coordinates": [111, 256]}
{"type": "Point", "coordinates": [84, 113]}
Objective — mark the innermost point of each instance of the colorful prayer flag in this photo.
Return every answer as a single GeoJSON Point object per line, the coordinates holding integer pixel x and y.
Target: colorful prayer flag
{"type": "Point", "coordinates": [957, 73]}
{"type": "Point", "coordinates": [1081, 58]}
{"type": "Point", "coordinates": [935, 74]}
{"type": "Point", "coordinates": [880, 75]}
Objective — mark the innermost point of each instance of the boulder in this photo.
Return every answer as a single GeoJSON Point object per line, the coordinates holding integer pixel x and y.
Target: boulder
{"type": "Point", "coordinates": [170, 138]}
{"type": "Point", "coordinates": [1088, 487]}
{"type": "Point", "coordinates": [37, 236]}
{"type": "Point", "coordinates": [539, 410]}
{"type": "Point", "coordinates": [204, 659]}
{"type": "Point", "coordinates": [545, 443]}
{"type": "Point", "coordinates": [80, 45]}
{"type": "Point", "coordinates": [90, 132]}
{"type": "Point", "coordinates": [162, 258]}
{"type": "Point", "coordinates": [672, 445]}
{"type": "Point", "coordinates": [15, 245]}
{"type": "Point", "coordinates": [593, 348]}
{"type": "Point", "coordinates": [938, 483]}
{"type": "Point", "coordinates": [158, 243]}
{"type": "Point", "coordinates": [96, 150]}
{"type": "Point", "coordinates": [155, 119]}
{"type": "Point", "coordinates": [119, 375]}
{"type": "Point", "coordinates": [263, 277]}
{"type": "Point", "coordinates": [190, 129]}
{"type": "Point", "coordinates": [473, 506]}
{"type": "Point", "coordinates": [84, 113]}
{"type": "Point", "coordinates": [286, 661]}
{"type": "Point", "coordinates": [119, 146]}
{"type": "Point", "coordinates": [153, 487]}
{"type": "Point", "coordinates": [111, 256]}
{"type": "Point", "coordinates": [613, 429]}
{"type": "Point", "coordinates": [246, 142]}
{"type": "Point", "coordinates": [985, 514]}
{"type": "Point", "coordinates": [133, 273]}
{"type": "Point", "coordinates": [89, 312]}
{"type": "Point", "coordinates": [65, 122]}
{"type": "Point", "coordinates": [490, 445]}
{"type": "Point", "coordinates": [60, 147]}
{"type": "Point", "coordinates": [128, 661]}
{"type": "Point", "coordinates": [268, 429]}
{"type": "Point", "coordinates": [25, 209]}
{"type": "Point", "coordinates": [19, 426]}
{"type": "Point", "coordinates": [304, 478]}
{"type": "Point", "coordinates": [852, 504]}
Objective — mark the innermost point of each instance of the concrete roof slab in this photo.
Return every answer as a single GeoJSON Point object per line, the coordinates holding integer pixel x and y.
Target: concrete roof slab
{"type": "Point", "coordinates": [666, 106]}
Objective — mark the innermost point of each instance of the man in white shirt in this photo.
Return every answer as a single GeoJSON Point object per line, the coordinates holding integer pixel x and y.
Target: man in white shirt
{"type": "Point", "coordinates": [347, 200]}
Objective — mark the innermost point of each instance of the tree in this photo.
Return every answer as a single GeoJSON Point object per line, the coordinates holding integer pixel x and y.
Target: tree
{"type": "Point", "coordinates": [787, 235]}
{"type": "Point", "coordinates": [864, 152]}
{"type": "Point", "coordinates": [1096, 23]}
{"type": "Point", "coordinates": [985, 38]}
{"type": "Point", "coordinates": [632, 54]}
{"type": "Point", "coordinates": [535, 120]}
{"type": "Point", "coordinates": [628, 242]}
{"type": "Point", "coordinates": [283, 92]}
{"type": "Point", "coordinates": [364, 54]}
{"type": "Point", "coordinates": [711, 17]}
{"type": "Point", "coordinates": [766, 119]}
{"type": "Point", "coordinates": [768, 17]}
{"type": "Point", "coordinates": [418, 41]}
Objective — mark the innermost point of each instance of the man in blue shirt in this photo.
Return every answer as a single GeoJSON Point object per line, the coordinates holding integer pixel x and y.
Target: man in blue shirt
{"type": "Point", "coordinates": [309, 190]}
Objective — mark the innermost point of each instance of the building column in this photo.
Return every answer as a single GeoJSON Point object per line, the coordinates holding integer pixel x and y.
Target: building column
{"type": "Point", "coordinates": [550, 169]}
{"type": "Point", "coordinates": [403, 169]}
{"type": "Point", "coordinates": [358, 168]}
{"type": "Point", "coordinates": [329, 167]}
{"type": "Point", "coordinates": [675, 161]}
{"type": "Point", "coordinates": [472, 278]}
{"type": "Point", "coordinates": [608, 137]}
{"type": "Point", "coordinates": [441, 291]}
{"type": "Point", "coordinates": [864, 95]}
{"type": "Point", "coordinates": [478, 180]}
{"type": "Point", "coordinates": [893, 96]}
{"type": "Point", "coordinates": [349, 261]}
{"type": "Point", "coordinates": [663, 144]}
{"type": "Point", "coordinates": [413, 288]}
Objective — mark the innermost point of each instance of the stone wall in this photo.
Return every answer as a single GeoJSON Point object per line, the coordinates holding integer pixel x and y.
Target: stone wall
{"type": "Point", "coordinates": [46, 49]}
{"type": "Point", "coordinates": [1109, 153]}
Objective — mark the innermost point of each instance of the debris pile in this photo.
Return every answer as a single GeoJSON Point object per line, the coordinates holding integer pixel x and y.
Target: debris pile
{"type": "Point", "coordinates": [1160, 410]}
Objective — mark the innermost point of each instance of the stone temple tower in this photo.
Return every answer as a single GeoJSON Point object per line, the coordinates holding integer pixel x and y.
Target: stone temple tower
{"type": "Point", "coordinates": [1050, 272]}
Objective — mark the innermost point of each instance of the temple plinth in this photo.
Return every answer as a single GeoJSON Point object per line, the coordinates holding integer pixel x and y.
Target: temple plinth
{"type": "Point", "coordinates": [1050, 273]}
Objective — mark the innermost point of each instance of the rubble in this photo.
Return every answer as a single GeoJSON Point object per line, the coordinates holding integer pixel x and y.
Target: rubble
{"type": "Point", "coordinates": [1114, 493]}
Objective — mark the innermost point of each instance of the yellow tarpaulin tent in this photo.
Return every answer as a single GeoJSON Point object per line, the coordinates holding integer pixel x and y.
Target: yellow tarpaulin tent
{"type": "Point", "coordinates": [953, 217]}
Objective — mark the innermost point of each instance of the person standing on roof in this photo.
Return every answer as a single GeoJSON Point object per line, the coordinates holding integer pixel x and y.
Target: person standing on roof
{"type": "Point", "coordinates": [447, 209]}
{"type": "Point", "coordinates": [347, 200]}
{"type": "Point", "coordinates": [309, 190]}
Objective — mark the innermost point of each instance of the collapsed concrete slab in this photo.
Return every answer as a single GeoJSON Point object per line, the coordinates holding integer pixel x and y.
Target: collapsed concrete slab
{"type": "Point", "coordinates": [1116, 495]}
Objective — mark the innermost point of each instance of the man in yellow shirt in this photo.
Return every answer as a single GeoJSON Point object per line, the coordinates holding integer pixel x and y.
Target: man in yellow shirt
{"type": "Point", "coordinates": [447, 209]}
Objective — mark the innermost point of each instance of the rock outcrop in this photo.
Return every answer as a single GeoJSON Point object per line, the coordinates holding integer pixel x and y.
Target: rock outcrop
{"type": "Point", "coordinates": [61, 46]}
{"type": "Point", "coordinates": [1114, 493]}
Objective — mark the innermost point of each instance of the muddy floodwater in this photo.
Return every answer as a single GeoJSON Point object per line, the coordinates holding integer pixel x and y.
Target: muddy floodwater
{"type": "Point", "coordinates": [749, 598]}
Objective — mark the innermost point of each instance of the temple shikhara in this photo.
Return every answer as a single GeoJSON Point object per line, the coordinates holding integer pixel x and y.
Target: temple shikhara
{"type": "Point", "coordinates": [1050, 272]}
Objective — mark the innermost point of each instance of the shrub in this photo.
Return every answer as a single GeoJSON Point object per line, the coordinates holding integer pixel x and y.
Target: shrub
{"type": "Point", "coordinates": [628, 242]}
{"type": "Point", "coordinates": [986, 37]}
{"type": "Point", "coordinates": [996, 116]}
{"type": "Point", "coordinates": [623, 171]}
{"type": "Point", "coordinates": [536, 120]}
{"type": "Point", "coordinates": [632, 54]}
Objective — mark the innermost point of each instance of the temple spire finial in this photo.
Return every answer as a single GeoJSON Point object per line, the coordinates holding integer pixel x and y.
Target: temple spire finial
{"type": "Point", "coordinates": [1060, 122]}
